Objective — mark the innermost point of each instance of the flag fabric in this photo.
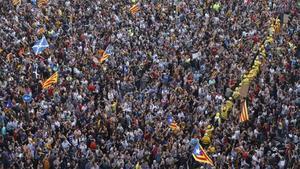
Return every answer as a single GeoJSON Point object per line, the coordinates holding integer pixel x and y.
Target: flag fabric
{"type": "Point", "coordinates": [200, 155]}
{"type": "Point", "coordinates": [172, 124]}
{"type": "Point", "coordinates": [16, 2]}
{"type": "Point", "coordinates": [106, 54]}
{"type": "Point", "coordinates": [33, 2]}
{"type": "Point", "coordinates": [103, 58]}
{"type": "Point", "coordinates": [40, 45]}
{"type": "Point", "coordinates": [9, 104]}
{"type": "Point", "coordinates": [50, 81]}
{"type": "Point", "coordinates": [41, 3]}
{"type": "Point", "coordinates": [134, 9]}
{"type": "Point", "coordinates": [100, 52]}
{"type": "Point", "coordinates": [244, 113]}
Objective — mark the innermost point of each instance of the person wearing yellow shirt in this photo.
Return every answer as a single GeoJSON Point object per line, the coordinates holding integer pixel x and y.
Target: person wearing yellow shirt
{"type": "Point", "coordinates": [205, 140]}
{"type": "Point", "coordinates": [245, 81]}
{"type": "Point", "coordinates": [209, 130]}
{"type": "Point", "coordinates": [211, 149]}
{"type": "Point", "coordinates": [236, 94]}
{"type": "Point", "coordinates": [226, 108]}
{"type": "Point", "coordinates": [114, 106]}
{"type": "Point", "coordinates": [216, 6]}
{"type": "Point", "coordinates": [138, 166]}
{"type": "Point", "coordinates": [229, 104]}
{"type": "Point", "coordinates": [224, 112]}
{"type": "Point", "coordinates": [277, 25]}
{"type": "Point", "coordinates": [257, 63]}
{"type": "Point", "coordinates": [218, 118]}
{"type": "Point", "coordinates": [269, 39]}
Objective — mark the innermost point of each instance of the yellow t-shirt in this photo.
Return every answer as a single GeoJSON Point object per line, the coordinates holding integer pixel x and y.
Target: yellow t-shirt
{"type": "Point", "coordinates": [205, 140]}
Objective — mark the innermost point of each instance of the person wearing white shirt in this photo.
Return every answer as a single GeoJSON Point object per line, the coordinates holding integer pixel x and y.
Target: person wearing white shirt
{"type": "Point", "coordinates": [65, 144]}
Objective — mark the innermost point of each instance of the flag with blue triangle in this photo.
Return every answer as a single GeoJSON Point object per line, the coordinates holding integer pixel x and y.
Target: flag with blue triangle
{"type": "Point", "coordinates": [172, 124]}
{"type": "Point", "coordinates": [107, 53]}
{"type": "Point", "coordinates": [200, 155]}
{"type": "Point", "coordinates": [9, 104]}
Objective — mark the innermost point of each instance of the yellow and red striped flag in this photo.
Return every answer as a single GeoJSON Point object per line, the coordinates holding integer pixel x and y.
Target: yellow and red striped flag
{"type": "Point", "coordinates": [16, 2]}
{"type": "Point", "coordinates": [106, 54]}
{"type": "Point", "coordinates": [244, 113]}
{"type": "Point", "coordinates": [104, 57]}
{"type": "Point", "coordinates": [200, 155]}
{"type": "Point", "coordinates": [172, 124]}
{"type": "Point", "coordinates": [42, 3]}
{"type": "Point", "coordinates": [134, 9]}
{"type": "Point", "coordinates": [50, 81]}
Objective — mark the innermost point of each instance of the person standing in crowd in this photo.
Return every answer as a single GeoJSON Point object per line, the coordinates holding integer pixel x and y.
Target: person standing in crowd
{"type": "Point", "coordinates": [178, 58]}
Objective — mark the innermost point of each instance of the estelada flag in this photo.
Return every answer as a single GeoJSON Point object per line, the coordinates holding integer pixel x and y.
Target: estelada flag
{"type": "Point", "coordinates": [172, 124]}
{"type": "Point", "coordinates": [50, 81]}
{"type": "Point", "coordinates": [106, 54]}
{"type": "Point", "coordinates": [134, 9]}
{"type": "Point", "coordinates": [200, 155]}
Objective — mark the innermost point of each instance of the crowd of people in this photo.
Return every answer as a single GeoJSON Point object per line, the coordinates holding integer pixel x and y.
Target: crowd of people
{"type": "Point", "coordinates": [172, 58]}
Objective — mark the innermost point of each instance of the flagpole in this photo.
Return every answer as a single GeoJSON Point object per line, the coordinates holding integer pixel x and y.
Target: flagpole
{"type": "Point", "coordinates": [187, 162]}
